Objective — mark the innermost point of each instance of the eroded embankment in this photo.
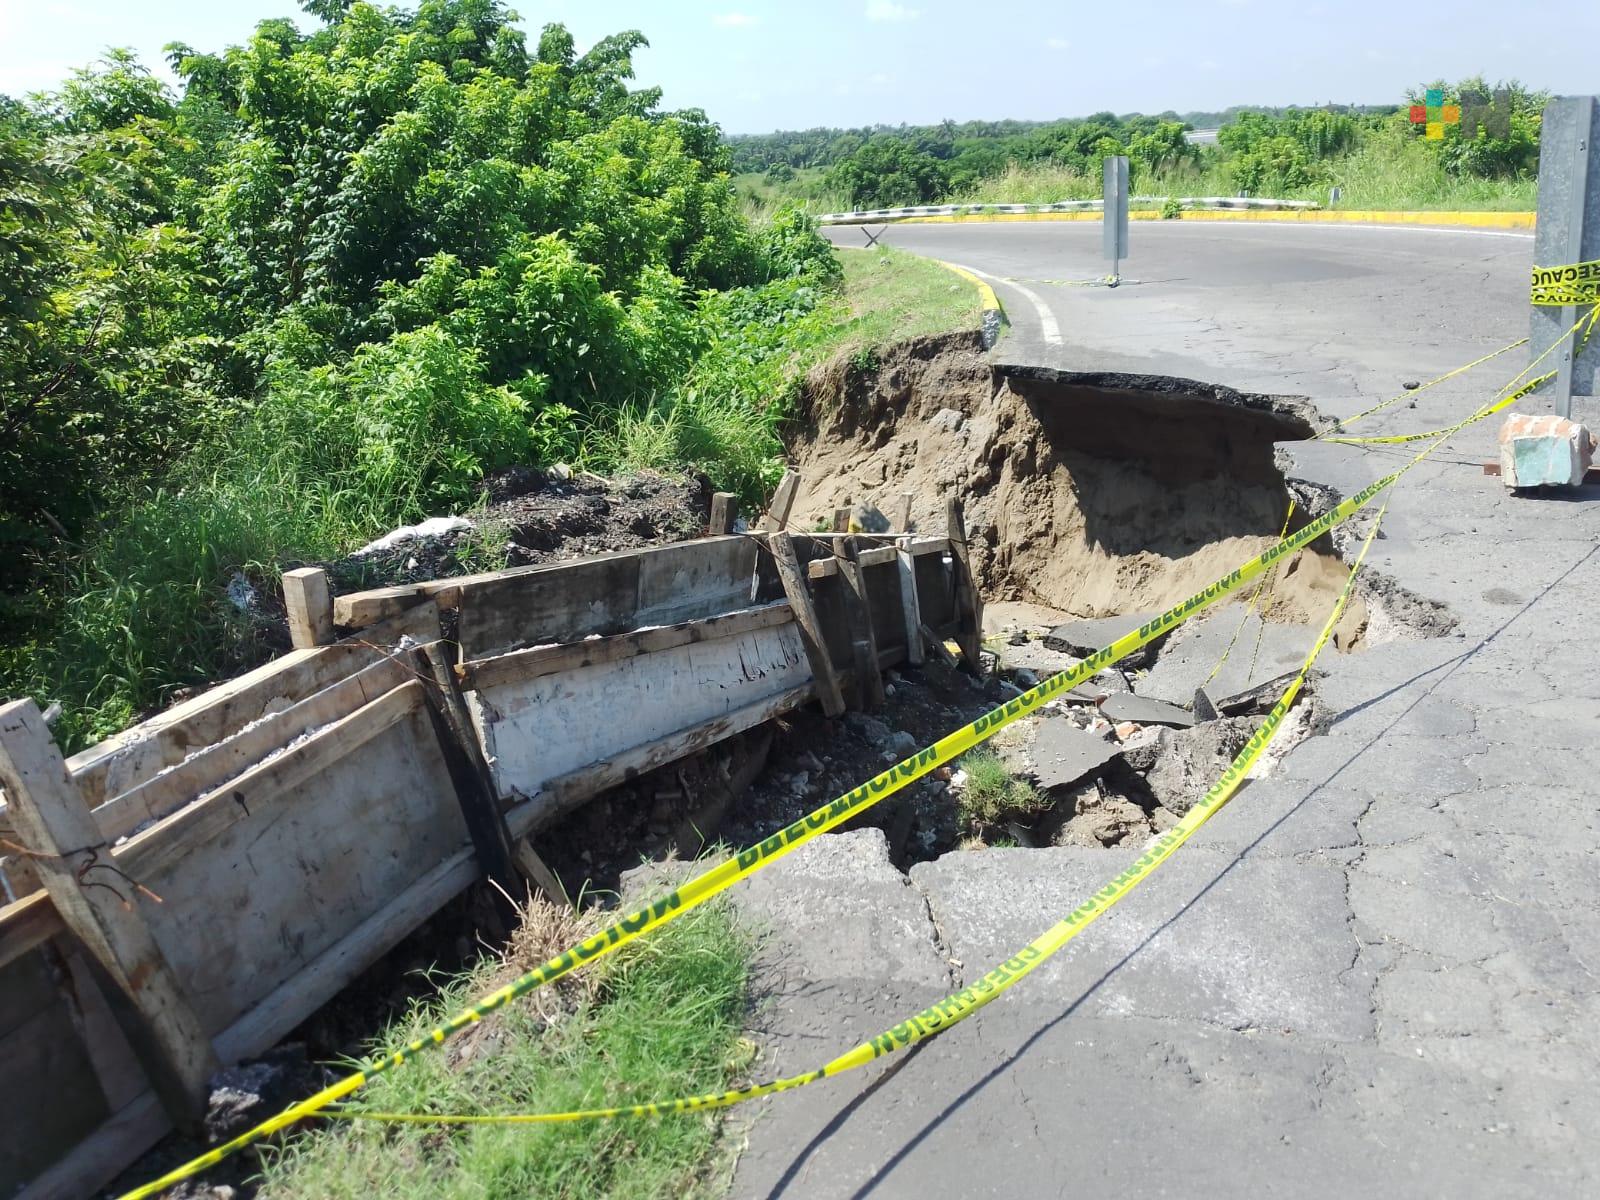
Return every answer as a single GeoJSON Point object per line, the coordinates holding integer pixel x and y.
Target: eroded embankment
{"type": "Point", "coordinates": [1094, 494]}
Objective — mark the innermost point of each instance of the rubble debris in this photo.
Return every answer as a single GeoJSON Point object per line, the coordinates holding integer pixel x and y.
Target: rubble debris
{"type": "Point", "coordinates": [1146, 711]}
{"type": "Point", "coordinates": [1084, 637]}
{"type": "Point", "coordinates": [1538, 450]}
{"type": "Point", "coordinates": [1062, 754]}
{"type": "Point", "coordinates": [1257, 700]}
{"type": "Point", "coordinates": [1188, 761]}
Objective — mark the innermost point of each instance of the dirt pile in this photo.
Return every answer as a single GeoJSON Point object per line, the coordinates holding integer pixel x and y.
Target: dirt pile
{"type": "Point", "coordinates": [540, 516]}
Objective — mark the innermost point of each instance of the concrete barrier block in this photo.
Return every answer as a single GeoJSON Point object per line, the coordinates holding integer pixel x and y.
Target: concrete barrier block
{"type": "Point", "coordinates": [1544, 451]}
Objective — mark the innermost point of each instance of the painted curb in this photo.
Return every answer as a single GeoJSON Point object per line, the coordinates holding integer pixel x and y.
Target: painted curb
{"type": "Point", "coordinates": [1469, 220]}
{"type": "Point", "coordinates": [994, 313]}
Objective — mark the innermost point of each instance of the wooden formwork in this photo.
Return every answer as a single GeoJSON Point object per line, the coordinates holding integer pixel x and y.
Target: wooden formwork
{"type": "Point", "coordinates": [255, 848]}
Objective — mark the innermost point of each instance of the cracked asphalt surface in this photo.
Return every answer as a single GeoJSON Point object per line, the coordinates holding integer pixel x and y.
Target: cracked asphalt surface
{"type": "Point", "coordinates": [1375, 970]}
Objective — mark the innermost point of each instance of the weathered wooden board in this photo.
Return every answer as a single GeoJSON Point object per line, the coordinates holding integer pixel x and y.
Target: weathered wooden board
{"type": "Point", "coordinates": [537, 729]}
{"type": "Point", "coordinates": [565, 792]}
{"type": "Point", "coordinates": [607, 594]}
{"type": "Point", "coordinates": [568, 656]}
{"type": "Point", "coordinates": [245, 911]}
{"type": "Point", "coordinates": [52, 1098]}
{"type": "Point", "coordinates": [131, 757]}
{"type": "Point", "coordinates": [935, 590]}
{"type": "Point", "coordinates": [205, 769]}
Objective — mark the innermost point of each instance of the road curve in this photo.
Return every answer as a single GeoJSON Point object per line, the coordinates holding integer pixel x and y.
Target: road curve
{"type": "Point", "coordinates": [1337, 312]}
{"type": "Point", "coordinates": [1375, 972]}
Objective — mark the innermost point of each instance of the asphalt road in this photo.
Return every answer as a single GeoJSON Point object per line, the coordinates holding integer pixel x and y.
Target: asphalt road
{"type": "Point", "coordinates": [1376, 971]}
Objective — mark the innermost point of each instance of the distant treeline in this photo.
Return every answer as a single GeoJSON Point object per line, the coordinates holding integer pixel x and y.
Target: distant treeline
{"type": "Point", "coordinates": [1260, 148]}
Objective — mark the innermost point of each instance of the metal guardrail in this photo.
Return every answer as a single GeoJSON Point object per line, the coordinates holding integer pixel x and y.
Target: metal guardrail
{"type": "Point", "coordinates": [1216, 203]}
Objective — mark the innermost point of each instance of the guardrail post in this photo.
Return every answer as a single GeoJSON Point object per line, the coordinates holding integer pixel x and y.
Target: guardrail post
{"type": "Point", "coordinates": [101, 906]}
{"type": "Point", "coordinates": [1567, 232]}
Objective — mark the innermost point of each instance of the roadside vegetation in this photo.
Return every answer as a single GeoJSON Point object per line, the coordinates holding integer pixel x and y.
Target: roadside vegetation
{"type": "Point", "coordinates": [1374, 154]}
{"type": "Point", "coordinates": [661, 1019]}
{"type": "Point", "coordinates": [343, 276]}
{"type": "Point", "coordinates": [990, 797]}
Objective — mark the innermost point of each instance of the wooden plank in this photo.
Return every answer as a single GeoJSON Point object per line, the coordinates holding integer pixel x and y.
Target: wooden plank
{"type": "Point", "coordinates": [106, 914]}
{"type": "Point", "coordinates": [537, 872]}
{"type": "Point", "coordinates": [536, 729]}
{"type": "Point", "coordinates": [606, 594]}
{"type": "Point", "coordinates": [103, 1155]}
{"type": "Point", "coordinates": [166, 739]}
{"type": "Point", "coordinates": [251, 907]}
{"type": "Point", "coordinates": [469, 775]}
{"type": "Point", "coordinates": [863, 640]}
{"type": "Point", "coordinates": [910, 610]}
{"type": "Point", "coordinates": [176, 835]}
{"type": "Point", "coordinates": [936, 643]}
{"type": "Point", "coordinates": [268, 1022]}
{"type": "Point", "coordinates": [309, 603]}
{"type": "Point", "coordinates": [547, 660]}
{"type": "Point", "coordinates": [724, 512]}
{"type": "Point", "coordinates": [26, 924]}
{"type": "Point", "coordinates": [841, 519]}
{"type": "Point", "coordinates": [821, 568]}
{"type": "Point", "coordinates": [901, 521]}
{"type": "Point", "coordinates": [805, 614]}
{"type": "Point", "coordinates": [777, 518]}
{"type": "Point", "coordinates": [564, 793]}
{"type": "Point", "coordinates": [173, 788]}
{"type": "Point", "coordinates": [969, 604]}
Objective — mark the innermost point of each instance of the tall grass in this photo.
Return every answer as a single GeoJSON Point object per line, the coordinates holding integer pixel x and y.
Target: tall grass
{"type": "Point", "coordinates": [664, 1021]}
{"type": "Point", "coordinates": [1387, 172]}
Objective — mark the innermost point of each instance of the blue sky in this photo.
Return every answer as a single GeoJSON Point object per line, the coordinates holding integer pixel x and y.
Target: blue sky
{"type": "Point", "coordinates": [756, 66]}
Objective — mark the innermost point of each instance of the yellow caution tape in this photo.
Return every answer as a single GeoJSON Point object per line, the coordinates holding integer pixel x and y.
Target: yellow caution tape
{"type": "Point", "coordinates": [1417, 391]}
{"type": "Point", "coordinates": [1522, 391]}
{"type": "Point", "coordinates": [723, 876]}
{"type": "Point", "coordinates": [958, 1006]}
{"type": "Point", "coordinates": [1577, 283]}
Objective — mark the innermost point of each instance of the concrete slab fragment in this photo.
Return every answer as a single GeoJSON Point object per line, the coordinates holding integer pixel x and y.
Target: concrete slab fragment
{"type": "Point", "coordinates": [1146, 711]}
{"type": "Point", "coordinates": [1084, 637]}
{"type": "Point", "coordinates": [1062, 754]}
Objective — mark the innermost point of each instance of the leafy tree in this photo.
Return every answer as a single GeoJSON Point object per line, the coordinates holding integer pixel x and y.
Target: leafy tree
{"type": "Point", "coordinates": [889, 171]}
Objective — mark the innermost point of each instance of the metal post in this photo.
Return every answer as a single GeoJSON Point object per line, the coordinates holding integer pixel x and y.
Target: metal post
{"type": "Point", "coordinates": [1568, 231]}
{"type": "Point", "coordinates": [1114, 235]}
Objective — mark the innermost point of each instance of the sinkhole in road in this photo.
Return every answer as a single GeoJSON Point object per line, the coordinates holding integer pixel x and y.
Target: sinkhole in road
{"type": "Point", "coordinates": [1097, 496]}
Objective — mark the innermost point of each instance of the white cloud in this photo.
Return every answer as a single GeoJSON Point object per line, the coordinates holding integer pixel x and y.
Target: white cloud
{"type": "Point", "coordinates": [880, 79]}
{"type": "Point", "coordinates": [888, 10]}
{"type": "Point", "coordinates": [733, 20]}
{"type": "Point", "coordinates": [1057, 43]}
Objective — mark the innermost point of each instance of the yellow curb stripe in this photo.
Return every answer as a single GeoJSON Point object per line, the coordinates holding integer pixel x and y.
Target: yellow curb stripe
{"type": "Point", "coordinates": [1471, 220]}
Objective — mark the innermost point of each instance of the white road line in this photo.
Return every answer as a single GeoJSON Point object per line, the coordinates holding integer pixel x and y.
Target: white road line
{"type": "Point", "coordinates": [1047, 319]}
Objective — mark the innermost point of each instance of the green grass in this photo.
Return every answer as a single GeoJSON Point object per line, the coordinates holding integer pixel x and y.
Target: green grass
{"type": "Point", "coordinates": [992, 793]}
{"type": "Point", "coordinates": [891, 296]}
{"type": "Point", "coordinates": [1386, 173]}
{"type": "Point", "coordinates": [664, 1021]}
{"type": "Point", "coordinates": [809, 189]}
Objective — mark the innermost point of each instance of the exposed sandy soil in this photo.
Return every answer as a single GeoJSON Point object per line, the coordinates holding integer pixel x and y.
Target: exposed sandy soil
{"type": "Point", "coordinates": [1094, 495]}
